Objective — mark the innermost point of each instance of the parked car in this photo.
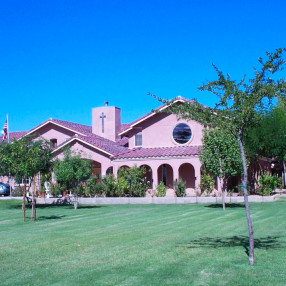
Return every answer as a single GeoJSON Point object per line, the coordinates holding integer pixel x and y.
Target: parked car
{"type": "Point", "coordinates": [4, 189]}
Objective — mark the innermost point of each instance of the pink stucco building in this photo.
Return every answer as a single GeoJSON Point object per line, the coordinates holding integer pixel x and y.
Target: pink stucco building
{"type": "Point", "coordinates": [166, 146]}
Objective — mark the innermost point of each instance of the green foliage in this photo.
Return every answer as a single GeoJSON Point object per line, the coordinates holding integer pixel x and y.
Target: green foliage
{"type": "Point", "coordinates": [17, 192]}
{"type": "Point", "coordinates": [207, 183]}
{"type": "Point", "coordinates": [25, 157]}
{"type": "Point", "coordinates": [180, 187]}
{"type": "Point", "coordinates": [132, 181]}
{"type": "Point", "coordinates": [220, 154]}
{"type": "Point", "coordinates": [267, 138]}
{"type": "Point", "coordinates": [267, 184]}
{"type": "Point", "coordinates": [161, 190]}
{"type": "Point", "coordinates": [56, 189]}
{"type": "Point", "coordinates": [94, 187]}
{"type": "Point", "coordinates": [110, 186]}
{"type": "Point", "coordinates": [70, 171]}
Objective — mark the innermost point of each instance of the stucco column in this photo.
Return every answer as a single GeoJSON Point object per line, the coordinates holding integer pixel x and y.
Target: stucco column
{"type": "Point", "coordinates": [115, 170]}
{"type": "Point", "coordinates": [198, 177]}
{"type": "Point", "coordinates": [154, 177]}
{"type": "Point", "coordinates": [175, 173]}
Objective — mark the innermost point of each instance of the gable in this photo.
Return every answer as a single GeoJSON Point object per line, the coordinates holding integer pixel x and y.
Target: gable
{"type": "Point", "coordinates": [52, 131]}
{"type": "Point", "coordinates": [157, 131]}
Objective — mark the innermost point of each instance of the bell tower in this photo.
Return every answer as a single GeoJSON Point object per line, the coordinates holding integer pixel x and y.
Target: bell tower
{"type": "Point", "coordinates": [106, 121]}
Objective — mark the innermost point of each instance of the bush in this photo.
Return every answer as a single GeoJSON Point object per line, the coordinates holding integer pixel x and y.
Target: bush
{"type": "Point", "coordinates": [56, 189]}
{"type": "Point", "coordinates": [132, 181]}
{"type": "Point", "coordinates": [180, 188]}
{"type": "Point", "coordinates": [94, 187]}
{"type": "Point", "coordinates": [161, 190]}
{"type": "Point", "coordinates": [207, 183]}
{"type": "Point", "coordinates": [17, 192]}
{"type": "Point", "coordinates": [267, 184]}
{"type": "Point", "coordinates": [109, 186]}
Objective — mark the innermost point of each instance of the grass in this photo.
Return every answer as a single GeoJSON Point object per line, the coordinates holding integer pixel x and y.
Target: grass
{"type": "Point", "coordinates": [142, 245]}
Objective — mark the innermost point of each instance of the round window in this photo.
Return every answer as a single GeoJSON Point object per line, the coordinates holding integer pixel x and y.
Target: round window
{"type": "Point", "coordinates": [182, 133]}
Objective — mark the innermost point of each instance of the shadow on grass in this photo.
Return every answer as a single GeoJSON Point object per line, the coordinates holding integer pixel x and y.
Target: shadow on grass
{"type": "Point", "coordinates": [90, 206]}
{"type": "Point", "coordinates": [69, 206]}
{"type": "Point", "coordinates": [268, 242]}
{"type": "Point", "coordinates": [227, 205]}
{"type": "Point", "coordinates": [50, 217]}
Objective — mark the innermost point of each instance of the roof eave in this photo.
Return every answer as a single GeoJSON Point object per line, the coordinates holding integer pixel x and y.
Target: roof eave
{"type": "Point", "coordinates": [84, 142]}
{"type": "Point", "coordinates": [57, 124]}
{"type": "Point", "coordinates": [150, 115]}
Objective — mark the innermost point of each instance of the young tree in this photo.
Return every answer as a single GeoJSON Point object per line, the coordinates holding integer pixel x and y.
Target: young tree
{"type": "Point", "coordinates": [220, 156]}
{"type": "Point", "coordinates": [23, 159]}
{"type": "Point", "coordinates": [70, 171]}
{"type": "Point", "coordinates": [237, 109]}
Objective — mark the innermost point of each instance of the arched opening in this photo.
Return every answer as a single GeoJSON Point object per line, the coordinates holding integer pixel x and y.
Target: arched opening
{"type": "Point", "coordinates": [165, 175]}
{"type": "Point", "coordinates": [122, 167]}
{"type": "Point", "coordinates": [109, 171]}
{"type": "Point", "coordinates": [187, 174]}
{"type": "Point", "coordinates": [96, 169]}
{"type": "Point", "coordinates": [148, 175]}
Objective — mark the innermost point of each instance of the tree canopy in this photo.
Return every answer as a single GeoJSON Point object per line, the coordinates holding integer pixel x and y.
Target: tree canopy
{"type": "Point", "coordinates": [220, 156]}
{"type": "Point", "coordinates": [238, 108]}
{"type": "Point", "coordinates": [23, 159]}
{"type": "Point", "coordinates": [70, 171]}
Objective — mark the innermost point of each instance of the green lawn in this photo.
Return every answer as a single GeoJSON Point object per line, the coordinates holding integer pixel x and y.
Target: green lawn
{"type": "Point", "coordinates": [142, 245]}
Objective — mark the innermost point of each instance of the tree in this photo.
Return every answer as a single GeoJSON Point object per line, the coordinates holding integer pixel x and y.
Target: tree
{"type": "Point", "coordinates": [237, 109]}
{"type": "Point", "coordinates": [220, 156]}
{"type": "Point", "coordinates": [23, 159]}
{"type": "Point", "coordinates": [268, 138]}
{"type": "Point", "coordinates": [70, 171]}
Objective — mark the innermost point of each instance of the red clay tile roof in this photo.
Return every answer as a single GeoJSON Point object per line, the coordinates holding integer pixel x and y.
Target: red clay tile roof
{"type": "Point", "coordinates": [17, 135]}
{"type": "Point", "coordinates": [98, 142]}
{"type": "Point", "coordinates": [77, 128]}
{"type": "Point", "coordinates": [124, 126]}
{"type": "Point", "coordinates": [122, 141]}
{"type": "Point", "coordinates": [150, 113]}
{"type": "Point", "coordinates": [85, 129]}
{"type": "Point", "coordinates": [140, 152]}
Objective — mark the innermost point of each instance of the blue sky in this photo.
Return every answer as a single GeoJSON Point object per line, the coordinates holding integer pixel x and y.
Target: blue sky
{"type": "Point", "coordinates": [61, 58]}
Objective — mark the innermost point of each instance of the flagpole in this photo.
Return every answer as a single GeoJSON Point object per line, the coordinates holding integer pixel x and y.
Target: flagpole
{"type": "Point", "coordinates": [8, 130]}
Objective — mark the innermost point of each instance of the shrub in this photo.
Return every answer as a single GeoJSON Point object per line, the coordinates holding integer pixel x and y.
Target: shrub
{"type": "Point", "coordinates": [56, 189]}
{"type": "Point", "coordinates": [207, 183]}
{"type": "Point", "coordinates": [109, 186]}
{"type": "Point", "coordinates": [161, 190]}
{"type": "Point", "coordinates": [267, 184]}
{"type": "Point", "coordinates": [94, 187]}
{"type": "Point", "coordinates": [17, 192]}
{"type": "Point", "coordinates": [180, 187]}
{"type": "Point", "coordinates": [134, 183]}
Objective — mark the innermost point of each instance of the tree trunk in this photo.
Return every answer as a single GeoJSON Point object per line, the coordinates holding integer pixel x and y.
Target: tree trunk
{"type": "Point", "coordinates": [24, 200]}
{"type": "Point", "coordinates": [75, 203]}
{"type": "Point", "coordinates": [33, 216]}
{"type": "Point", "coordinates": [222, 193]}
{"type": "Point", "coordinates": [244, 187]}
{"type": "Point", "coordinates": [284, 175]}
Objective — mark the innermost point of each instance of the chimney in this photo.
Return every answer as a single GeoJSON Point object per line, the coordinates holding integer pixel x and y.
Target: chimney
{"type": "Point", "coordinates": [106, 121]}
